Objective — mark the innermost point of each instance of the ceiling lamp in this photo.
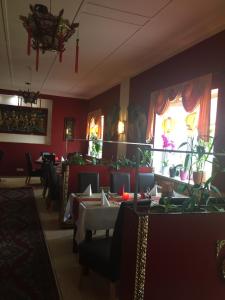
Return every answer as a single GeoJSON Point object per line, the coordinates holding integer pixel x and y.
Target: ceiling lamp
{"type": "Point", "coordinates": [47, 32]}
{"type": "Point", "coordinates": [28, 96]}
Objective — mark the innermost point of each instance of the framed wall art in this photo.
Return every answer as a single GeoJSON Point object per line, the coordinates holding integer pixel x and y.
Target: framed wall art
{"type": "Point", "coordinates": [69, 129]}
{"type": "Point", "coordinates": [23, 120]}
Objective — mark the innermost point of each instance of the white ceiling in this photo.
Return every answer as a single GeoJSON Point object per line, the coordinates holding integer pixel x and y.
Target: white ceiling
{"type": "Point", "coordinates": [118, 39]}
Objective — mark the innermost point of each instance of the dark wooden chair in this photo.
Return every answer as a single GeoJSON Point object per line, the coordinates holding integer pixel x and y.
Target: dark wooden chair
{"type": "Point", "coordinates": [1, 156]}
{"type": "Point", "coordinates": [53, 196]}
{"type": "Point", "coordinates": [84, 179]}
{"type": "Point", "coordinates": [145, 181]}
{"type": "Point", "coordinates": [31, 172]}
{"type": "Point", "coordinates": [102, 255]}
{"type": "Point", "coordinates": [119, 180]}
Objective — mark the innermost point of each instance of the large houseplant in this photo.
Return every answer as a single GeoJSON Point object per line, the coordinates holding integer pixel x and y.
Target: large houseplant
{"type": "Point", "coordinates": [202, 150]}
{"type": "Point", "coordinates": [195, 162]}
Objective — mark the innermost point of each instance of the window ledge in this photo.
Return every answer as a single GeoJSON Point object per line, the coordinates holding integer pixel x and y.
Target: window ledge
{"type": "Point", "coordinates": [174, 179]}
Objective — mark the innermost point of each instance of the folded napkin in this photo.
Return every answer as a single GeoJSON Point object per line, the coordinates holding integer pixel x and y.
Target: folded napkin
{"type": "Point", "coordinates": [104, 200]}
{"type": "Point", "coordinates": [62, 158]}
{"type": "Point", "coordinates": [88, 191]}
{"type": "Point", "coordinates": [154, 190]}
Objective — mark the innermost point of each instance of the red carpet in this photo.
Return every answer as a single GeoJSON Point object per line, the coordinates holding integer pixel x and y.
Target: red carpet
{"type": "Point", "coordinates": [25, 269]}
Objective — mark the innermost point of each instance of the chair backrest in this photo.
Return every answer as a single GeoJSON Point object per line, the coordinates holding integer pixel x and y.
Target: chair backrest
{"type": "Point", "coordinates": [1, 154]}
{"type": "Point", "coordinates": [46, 156]}
{"type": "Point", "coordinates": [51, 180]}
{"type": "Point", "coordinates": [116, 246]}
{"type": "Point", "coordinates": [145, 181]}
{"type": "Point", "coordinates": [84, 179]}
{"type": "Point", "coordinates": [29, 162]}
{"type": "Point", "coordinates": [118, 181]}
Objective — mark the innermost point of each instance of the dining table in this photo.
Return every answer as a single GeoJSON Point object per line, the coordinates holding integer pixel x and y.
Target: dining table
{"type": "Point", "coordinates": [88, 213]}
{"type": "Point", "coordinates": [93, 216]}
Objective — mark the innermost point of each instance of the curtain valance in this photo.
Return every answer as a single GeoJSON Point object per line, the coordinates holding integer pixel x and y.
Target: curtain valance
{"type": "Point", "coordinates": [193, 93]}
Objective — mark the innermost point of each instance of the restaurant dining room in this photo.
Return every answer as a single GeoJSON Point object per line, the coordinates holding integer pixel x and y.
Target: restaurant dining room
{"type": "Point", "coordinates": [112, 150]}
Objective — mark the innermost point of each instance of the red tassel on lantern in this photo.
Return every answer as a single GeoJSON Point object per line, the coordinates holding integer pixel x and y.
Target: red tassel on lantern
{"type": "Point", "coordinates": [37, 57]}
{"type": "Point", "coordinates": [77, 56]}
{"type": "Point", "coordinates": [60, 56]}
{"type": "Point", "coordinates": [29, 41]}
{"type": "Point", "coordinates": [60, 48]}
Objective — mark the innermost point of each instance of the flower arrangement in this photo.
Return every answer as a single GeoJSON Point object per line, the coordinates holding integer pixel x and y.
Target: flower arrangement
{"type": "Point", "coordinates": [167, 144]}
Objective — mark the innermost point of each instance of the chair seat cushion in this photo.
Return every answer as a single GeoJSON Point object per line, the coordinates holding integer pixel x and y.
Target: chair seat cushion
{"type": "Point", "coordinates": [96, 255]}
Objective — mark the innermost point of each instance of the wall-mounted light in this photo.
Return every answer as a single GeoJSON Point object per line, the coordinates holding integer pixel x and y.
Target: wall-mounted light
{"type": "Point", "coordinates": [121, 127]}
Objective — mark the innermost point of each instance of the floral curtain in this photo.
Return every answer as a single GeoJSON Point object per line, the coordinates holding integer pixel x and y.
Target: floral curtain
{"type": "Point", "coordinates": [194, 92]}
{"type": "Point", "coordinates": [94, 124]}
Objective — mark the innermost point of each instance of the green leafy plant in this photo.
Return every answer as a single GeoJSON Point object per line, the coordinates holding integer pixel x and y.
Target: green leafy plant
{"type": "Point", "coordinates": [96, 146]}
{"type": "Point", "coordinates": [76, 159]}
{"type": "Point", "coordinates": [200, 153]}
{"type": "Point", "coordinates": [199, 194]}
{"type": "Point", "coordinates": [123, 162]}
{"type": "Point", "coordinates": [146, 158]}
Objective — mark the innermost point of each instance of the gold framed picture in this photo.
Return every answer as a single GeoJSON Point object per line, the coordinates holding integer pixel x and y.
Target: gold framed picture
{"type": "Point", "coordinates": [69, 129]}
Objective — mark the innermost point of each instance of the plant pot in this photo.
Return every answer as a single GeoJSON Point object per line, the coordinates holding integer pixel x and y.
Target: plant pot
{"type": "Point", "coordinates": [183, 175]}
{"type": "Point", "coordinates": [199, 177]}
{"type": "Point", "coordinates": [172, 172]}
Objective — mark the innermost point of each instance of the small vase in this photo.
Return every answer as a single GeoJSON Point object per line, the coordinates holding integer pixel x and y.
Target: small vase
{"type": "Point", "coordinates": [183, 175]}
{"type": "Point", "coordinates": [165, 171]}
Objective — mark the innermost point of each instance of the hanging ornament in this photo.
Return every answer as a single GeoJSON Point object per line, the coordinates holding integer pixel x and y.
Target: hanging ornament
{"type": "Point", "coordinates": [77, 55]}
{"type": "Point", "coordinates": [168, 125]}
{"type": "Point", "coordinates": [47, 32]}
{"type": "Point", "coordinates": [191, 121]}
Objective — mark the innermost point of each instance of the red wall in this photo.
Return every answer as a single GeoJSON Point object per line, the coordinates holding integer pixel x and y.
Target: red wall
{"type": "Point", "coordinates": [62, 107]}
{"type": "Point", "coordinates": [206, 57]}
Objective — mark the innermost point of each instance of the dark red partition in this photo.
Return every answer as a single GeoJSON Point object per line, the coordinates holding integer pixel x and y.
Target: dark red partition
{"type": "Point", "coordinates": [181, 260]}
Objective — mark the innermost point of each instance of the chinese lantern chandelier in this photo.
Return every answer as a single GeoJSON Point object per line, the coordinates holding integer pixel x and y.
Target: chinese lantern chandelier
{"type": "Point", "coordinates": [47, 32]}
{"type": "Point", "coordinates": [28, 96]}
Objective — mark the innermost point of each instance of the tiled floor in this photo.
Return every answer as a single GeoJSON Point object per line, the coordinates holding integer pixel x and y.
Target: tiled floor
{"type": "Point", "coordinates": [64, 261]}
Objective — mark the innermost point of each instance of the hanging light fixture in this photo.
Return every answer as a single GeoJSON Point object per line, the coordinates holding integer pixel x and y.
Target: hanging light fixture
{"type": "Point", "coordinates": [168, 125]}
{"type": "Point", "coordinates": [28, 96]}
{"type": "Point", "coordinates": [47, 32]}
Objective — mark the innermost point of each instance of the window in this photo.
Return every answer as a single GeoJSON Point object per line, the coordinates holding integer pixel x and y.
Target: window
{"type": "Point", "coordinates": [95, 144]}
{"type": "Point", "coordinates": [176, 126]}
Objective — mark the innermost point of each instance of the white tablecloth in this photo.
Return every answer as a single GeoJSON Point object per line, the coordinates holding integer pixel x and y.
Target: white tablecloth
{"type": "Point", "coordinates": [69, 206]}
{"type": "Point", "coordinates": [93, 216]}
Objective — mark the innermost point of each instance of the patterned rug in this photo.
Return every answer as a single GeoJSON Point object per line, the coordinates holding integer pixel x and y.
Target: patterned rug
{"type": "Point", "coordinates": [25, 268]}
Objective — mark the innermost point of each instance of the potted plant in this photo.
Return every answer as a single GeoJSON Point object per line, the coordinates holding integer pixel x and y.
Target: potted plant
{"type": "Point", "coordinates": [174, 170]}
{"type": "Point", "coordinates": [184, 170]}
{"type": "Point", "coordinates": [95, 149]}
{"type": "Point", "coordinates": [76, 159]}
{"type": "Point", "coordinates": [201, 154]}
{"type": "Point", "coordinates": [123, 162]}
{"type": "Point", "coordinates": [146, 160]}
{"type": "Point", "coordinates": [195, 162]}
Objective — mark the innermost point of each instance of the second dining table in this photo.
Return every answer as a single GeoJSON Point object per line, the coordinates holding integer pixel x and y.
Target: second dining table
{"type": "Point", "coordinates": [88, 213]}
